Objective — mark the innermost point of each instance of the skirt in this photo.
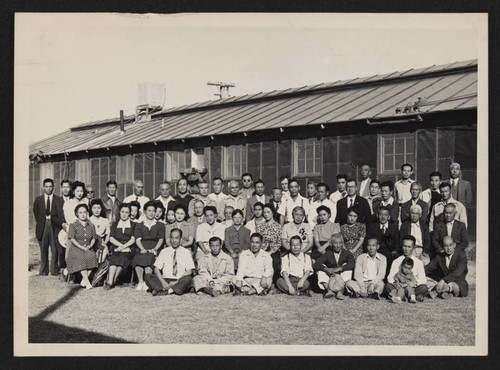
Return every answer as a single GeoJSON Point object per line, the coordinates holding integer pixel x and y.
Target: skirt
{"type": "Point", "coordinates": [144, 260]}
{"type": "Point", "coordinates": [123, 259]}
{"type": "Point", "coordinates": [78, 260]}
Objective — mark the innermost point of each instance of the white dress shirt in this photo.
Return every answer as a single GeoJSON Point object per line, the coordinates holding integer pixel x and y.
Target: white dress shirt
{"type": "Point", "coordinates": [165, 262]}
{"type": "Point", "coordinates": [418, 270]}
{"type": "Point", "coordinates": [416, 232]}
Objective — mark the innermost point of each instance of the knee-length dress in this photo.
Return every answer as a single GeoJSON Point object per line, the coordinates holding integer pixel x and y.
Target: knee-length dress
{"type": "Point", "coordinates": [352, 234]}
{"type": "Point", "coordinates": [77, 259]}
{"type": "Point", "coordinates": [149, 239]}
{"type": "Point", "coordinates": [123, 235]}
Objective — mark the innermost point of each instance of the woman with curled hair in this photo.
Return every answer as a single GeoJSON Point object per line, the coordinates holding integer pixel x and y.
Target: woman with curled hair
{"type": "Point", "coordinates": [77, 195]}
{"type": "Point", "coordinates": [181, 216]}
{"type": "Point", "coordinates": [353, 232]}
{"type": "Point", "coordinates": [81, 239]}
{"type": "Point", "coordinates": [323, 231]}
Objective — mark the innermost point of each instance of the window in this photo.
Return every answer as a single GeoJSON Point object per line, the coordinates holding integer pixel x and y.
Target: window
{"type": "Point", "coordinates": [396, 149]}
{"type": "Point", "coordinates": [197, 158]}
{"type": "Point", "coordinates": [82, 170]}
{"type": "Point", "coordinates": [176, 161]}
{"type": "Point", "coordinates": [125, 169]}
{"type": "Point", "coordinates": [234, 161]}
{"type": "Point", "coordinates": [46, 171]}
{"type": "Point", "coordinates": [307, 157]}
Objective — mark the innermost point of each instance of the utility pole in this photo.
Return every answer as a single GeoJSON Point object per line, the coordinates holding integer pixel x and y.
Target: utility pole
{"type": "Point", "coordinates": [223, 88]}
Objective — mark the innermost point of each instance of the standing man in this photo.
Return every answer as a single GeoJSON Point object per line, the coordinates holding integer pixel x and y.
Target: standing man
{"type": "Point", "coordinates": [364, 185]}
{"type": "Point", "coordinates": [460, 189]}
{"type": "Point", "coordinates": [138, 194]}
{"type": "Point", "coordinates": [257, 197]}
{"type": "Point", "coordinates": [322, 200]}
{"type": "Point", "coordinates": [374, 198]}
{"type": "Point", "coordinates": [247, 190]}
{"type": "Point", "coordinates": [418, 270]}
{"type": "Point", "coordinates": [341, 189]}
{"type": "Point", "coordinates": [352, 200]}
{"type": "Point", "coordinates": [234, 199]}
{"type": "Point", "coordinates": [207, 230]}
{"type": "Point", "coordinates": [387, 200]}
{"type": "Point", "coordinates": [167, 200]}
{"type": "Point", "coordinates": [451, 227]}
{"type": "Point", "coordinates": [432, 195]}
{"type": "Point", "coordinates": [415, 190]}
{"type": "Point", "coordinates": [49, 216]}
{"type": "Point", "coordinates": [111, 202]}
{"type": "Point", "coordinates": [295, 200]}
{"type": "Point", "coordinates": [278, 205]}
{"type": "Point", "coordinates": [182, 197]}
{"type": "Point", "coordinates": [402, 187]}
{"type": "Point", "coordinates": [65, 189]}
{"type": "Point", "coordinates": [90, 192]}
{"type": "Point", "coordinates": [203, 196]}
{"type": "Point", "coordinates": [218, 196]}
{"type": "Point", "coordinates": [312, 190]}
{"type": "Point", "coordinates": [437, 211]}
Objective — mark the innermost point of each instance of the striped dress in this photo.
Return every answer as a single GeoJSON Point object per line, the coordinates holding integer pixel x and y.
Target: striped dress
{"type": "Point", "coordinates": [77, 259]}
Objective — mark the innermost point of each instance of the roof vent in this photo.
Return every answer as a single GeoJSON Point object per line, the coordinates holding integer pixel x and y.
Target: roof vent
{"type": "Point", "coordinates": [151, 98]}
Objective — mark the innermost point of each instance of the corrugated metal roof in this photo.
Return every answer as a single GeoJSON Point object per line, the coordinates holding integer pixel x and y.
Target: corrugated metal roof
{"type": "Point", "coordinates": [446, 87]}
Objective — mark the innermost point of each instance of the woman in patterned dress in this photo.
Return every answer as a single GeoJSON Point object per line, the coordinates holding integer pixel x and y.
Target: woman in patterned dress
{"type": "Point", "coordinates": [149, 236]}
{"type": "Point", "coordinates": [81, 238]}
{"type": "Point", "coordinates": [122, 248]}
{"type": "Point", "coordinates": [354, 233]}
{"type": "Point", "coordinates": [271, 233]}
{"type": "Point", "coordinates": [323, 232]}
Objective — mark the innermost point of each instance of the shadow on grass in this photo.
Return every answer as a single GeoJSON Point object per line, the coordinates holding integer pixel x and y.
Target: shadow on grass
{"type": "Point", "coordinates": [42, 331]}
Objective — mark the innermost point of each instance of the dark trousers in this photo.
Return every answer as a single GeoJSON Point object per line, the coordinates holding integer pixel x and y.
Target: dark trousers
{"type": "Point", "coordinates": [419, 290]}
{"type": "Point", "coordinates": [276, 265]}
{"type": "Point", "coordinates": [180, 287]}
{"type": "Point", "coordinates": [50, 240]}
{"type": "Point", "coordinates": [282, 285]}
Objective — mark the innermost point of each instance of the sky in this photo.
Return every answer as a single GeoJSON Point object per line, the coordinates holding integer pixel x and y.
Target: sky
{"type": "Point", "coordinates": [74, 68]}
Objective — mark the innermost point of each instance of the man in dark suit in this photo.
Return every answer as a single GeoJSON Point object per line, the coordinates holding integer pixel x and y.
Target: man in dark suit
{"type": "Point", "coordinates": [360, 204]}
{"type": "Point", "coordinates": [111, 202]}
{"type": "Point", "coordinates": [387, 234]}
{"type": "Point", "coordinates": [460, 189]}
{"type": "Point", "coordinates": [448, 269]}
{"type": "Point", "coordinates": [415, 190]}
{"type": "Point", "coordinates": [49, 216]}
{"type": "Point", "coordinates": [449, 227]}
{"type": "Point", "coordinates": [257, 197]}
{"type": "Point", "coordinates": [417, 227]}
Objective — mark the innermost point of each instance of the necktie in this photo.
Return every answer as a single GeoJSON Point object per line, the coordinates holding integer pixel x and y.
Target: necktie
{"type": "Point", "coordinates": [174, 267]}
{"type": "Point", "coordinates": [136, 198]}
{"type": "Point", "coordinates": [453, 183]}
{"type": "Point", "coordinates": [351, 202]}
{"type": "Point", "coordinates": [383, 229]}
{"type": "Point", "coordinates": [47, 209]}
{"type": "Point", "coordinates": [277, 206]}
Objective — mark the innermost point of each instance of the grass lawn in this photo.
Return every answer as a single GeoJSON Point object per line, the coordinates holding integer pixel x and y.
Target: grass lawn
{"type": "Point", "coordinates": [69, 314]}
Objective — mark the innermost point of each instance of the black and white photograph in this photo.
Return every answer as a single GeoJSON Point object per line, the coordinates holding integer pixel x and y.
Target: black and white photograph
{"type": "Point", "coordinates": [250, 184]}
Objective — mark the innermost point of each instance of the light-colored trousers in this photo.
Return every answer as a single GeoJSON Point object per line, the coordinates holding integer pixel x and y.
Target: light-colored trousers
{"type": "Point", "coordinates": [336, 283]}
{"type": "Point", "coordinates": [259, 284]}
{"type": "Point", "coordinates": [443, 287]}
{"type": "Point", "coordinates": [364, 288]}
{"type": "Point", "coordinates": [221, 283]}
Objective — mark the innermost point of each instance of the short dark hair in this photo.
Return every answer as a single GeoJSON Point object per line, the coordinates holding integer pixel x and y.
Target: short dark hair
{"type": "Point", "coordinates": [375, 182]}
{"type": "Point", "coordinates": [176, 229]}
{"type": "Point", "coordinates": [150, 203]}
{"type": "Point", "coordinates": [353, 209]}
{"type": "Point", "coordinates": [111, 182]}
{"type": "Point", "coordinates": [258, 204]}
{"type": "Point", "coordinates": [384, 208]}
{"type": "Point", "coordinates": [236, 212]}
{"type": "Point", "coordinates": [293, 179]}
{"type": "Point", "coordinates": [406, 165]}
{"type": "Point", "coordinates": [124, 205]}
{"type": "Point", "coordinates": [407, 261]}
{"type": "Point", "coordinates": [178, 181]}
{"type": "Point", "coordinates": [210, 208]}
{"type": "Point", "coordinates": [48, 180]}
{"type": "Point", "coordinates": [389, 184]}
{"type": "Point", "coordinates": [218, 178]}
{"type": "Point", "coordinates": [351, 180]}
{"type": "Point", "coordinates": [135, 203]}
{"type": "Point", "coordinates": [214, 239]}
{"type": "Point", "coordinates": [66, 181]}
{"type": "Point", "coordinates": [270, 206]}
{"type": "Point", "coordinates": [97, 201]}
{"type": "Point", "coordinates": [315, 183]}
{"type": "Point", "coordinates": [323, 184]}
{"type": "Point", "coordinates": [295, 237]}
{"type": "Point", "coordinates": [246, 174]}
{"type": "Point", "coordinates": [276, 188]}
{"type": "Point", "coordinates": [409, 237]}
{"type": "Point", "coordinates": [81, 205]}
{"type": "Point", "coordinates": [435, 173]}
{"type": "Point", "coordinates": [324, 208]}
{"type": "Point", "coordinates": [282, 177]}
{"type": "Point", "coordinates": [259, 181]}
{"type": "Point", "coordinates": [444, 185]}
{"type": "Point", "coordinates": [257, 235]}
{"type": "Point", "coordinates": [341, 176]}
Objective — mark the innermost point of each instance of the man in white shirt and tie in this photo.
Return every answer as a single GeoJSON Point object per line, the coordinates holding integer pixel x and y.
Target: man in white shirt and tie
{"type": "Point", "coordinates": [218, 196]}
{"type": "Point", "coordinates": [138, 194]}
{"type": "Point", "coordinates": [341, 189]}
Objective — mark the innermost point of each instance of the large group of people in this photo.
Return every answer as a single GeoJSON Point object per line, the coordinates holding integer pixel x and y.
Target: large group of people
{"type": "Point", "coordinates": [369, 239]}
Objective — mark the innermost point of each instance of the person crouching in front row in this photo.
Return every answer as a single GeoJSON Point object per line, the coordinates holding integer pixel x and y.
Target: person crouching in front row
{"type": "Point", "coordinates": [296, 267]}
{"type": "Point", "coordinates": [334, 268]}
{"type": "Point", "coordinates": [255, 269]}
{"type": "Point", "coordinates": [173, 269]}
{"type": "Point", "coordinates": [215, 271]}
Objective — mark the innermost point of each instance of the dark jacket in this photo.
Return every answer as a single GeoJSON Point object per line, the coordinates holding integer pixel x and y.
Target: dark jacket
{"type": "Point", "coordinates": [458, 233]}
{"type": "Point", "coordinates": [360, 204]}
{"type": "Point", "coordinates": [426, 237]}
{"type": "Point", "coordinates": [327, 259]}
{"type": "Point", "coordinates": [455, 273]}
{"type": "Point", "coordinates": [250, 203]}
{"type": "Point", "coordinates": [389, 242]}
{"type": "Point", "coordinates": [56, 214]}
{"type": "Point", "coordinates": [405, 210]}
{"type": "Point", "coordinates": [394, 208]}
{"type": "Point", "coordinates": [112, 209]}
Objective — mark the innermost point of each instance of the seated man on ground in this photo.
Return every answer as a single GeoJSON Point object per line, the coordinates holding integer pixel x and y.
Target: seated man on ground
{"type": "Point", "coordinates": [369, 273]}
{"type": "Point", "coordinates": [173, 269]}
{"type": "Point", "coordinates": [334, 268]}
{"type": "Point", "coordinates": [408, 245]}
{"type": "Point", "coordinates": [447, 272]}
{"type": "Point", "coordinates": [405, 283]}
{"type": "Point", "coordinates": [296, 267]}
{"type": "Point", "coordinates": [255, 269]}
{"type": "Point", "coordinates": [215, 271]}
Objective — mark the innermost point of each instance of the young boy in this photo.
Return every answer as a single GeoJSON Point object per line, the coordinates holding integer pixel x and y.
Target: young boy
{"type": "Point", "coordinates": [296, 267]}
{"type": "Point", "coordinates": [405, 283]}
{"type": "Point", "coordinates": [402, 187]}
